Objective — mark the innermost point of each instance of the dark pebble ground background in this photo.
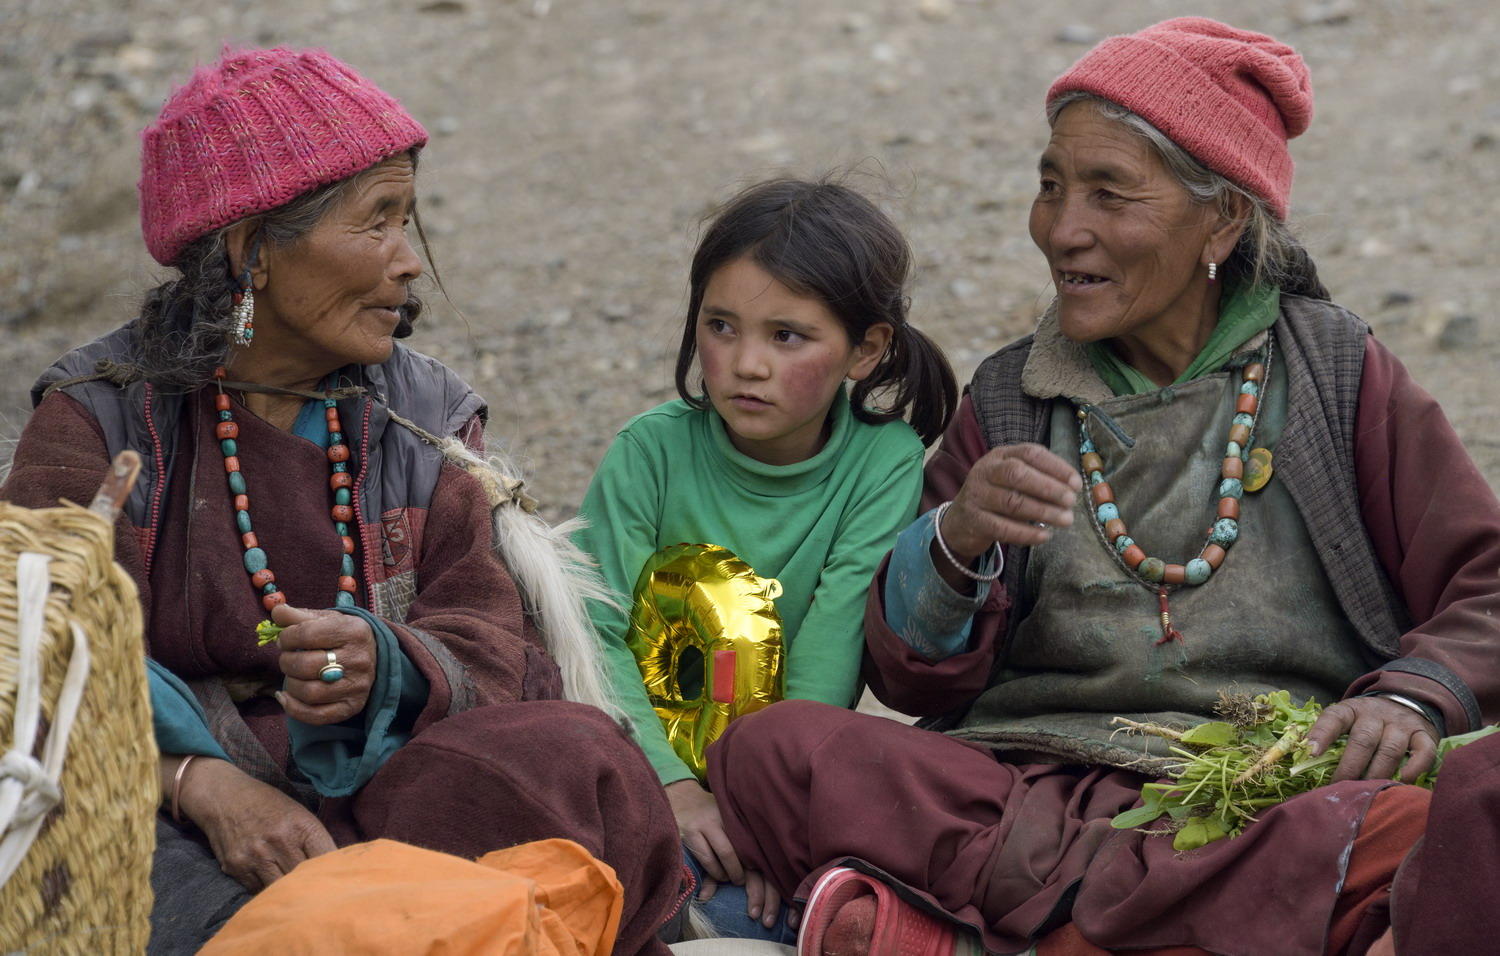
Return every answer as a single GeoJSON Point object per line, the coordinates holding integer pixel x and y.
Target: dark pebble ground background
{"type": "Point", "coordinates": [576, 144]}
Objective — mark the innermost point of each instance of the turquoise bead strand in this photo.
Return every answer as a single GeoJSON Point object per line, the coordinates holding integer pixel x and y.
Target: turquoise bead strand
{"type": "Point", "coordinates": [341, 484]}
{"type": "Point", "coordinates": [1155, 573]}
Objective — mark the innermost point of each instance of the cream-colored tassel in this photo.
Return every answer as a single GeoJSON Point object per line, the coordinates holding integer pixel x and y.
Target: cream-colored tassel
{"type": "Point", "coordinates": [557, 581]}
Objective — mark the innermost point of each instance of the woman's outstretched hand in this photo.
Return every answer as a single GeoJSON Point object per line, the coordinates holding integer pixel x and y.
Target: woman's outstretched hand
{"type": "Point", "coordinates": [1382, 733]}
{"type": "Point", "coordinates": [1005, 498]}
{"type": "Point", "coordinates": [305, 644]}
{"type": "Point", "coordinates": [257, 832]}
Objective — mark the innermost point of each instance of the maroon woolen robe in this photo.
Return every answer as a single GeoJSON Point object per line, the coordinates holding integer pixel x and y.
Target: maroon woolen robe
{"type": "Point", "coordinates": [492, 762]}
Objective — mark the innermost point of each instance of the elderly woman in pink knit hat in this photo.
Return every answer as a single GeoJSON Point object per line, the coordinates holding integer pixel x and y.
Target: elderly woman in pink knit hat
{"type": "Point", "coordinates": [1197, 475]}
{"type": "Point", "coordinates": [304, 466]}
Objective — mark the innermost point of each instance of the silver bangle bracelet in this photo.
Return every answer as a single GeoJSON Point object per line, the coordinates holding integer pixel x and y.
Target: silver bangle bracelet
{"type": "Point", "coordinates": [937, 534]}
{"type": "Point", "coordinates": [1408, 703]}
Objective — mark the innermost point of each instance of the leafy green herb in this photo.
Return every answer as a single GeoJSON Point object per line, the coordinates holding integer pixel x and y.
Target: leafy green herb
{"type": "Point", "coordinates": [1446, 746]}
{"type": "Point", "coordinates": [1232, 769]}
{"type": "Point", "coordinates": [266, 632]}
{"type": "Point", "coordinates": [1215, 733]}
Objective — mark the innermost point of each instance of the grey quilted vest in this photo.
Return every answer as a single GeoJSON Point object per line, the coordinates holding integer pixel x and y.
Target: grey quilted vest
{"type": "Point", "coordinates": [1321, 347]}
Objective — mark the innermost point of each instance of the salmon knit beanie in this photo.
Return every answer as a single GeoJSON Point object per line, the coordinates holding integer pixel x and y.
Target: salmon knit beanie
{"type": "Point", "coordinates": [1230, 97]}
{"type": "Point", "coordinates": [254, 131]}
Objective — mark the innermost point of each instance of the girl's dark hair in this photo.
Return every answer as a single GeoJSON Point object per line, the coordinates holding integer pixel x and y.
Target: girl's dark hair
{"type": "Point", "coordinates": [826, 241]}
{"type": "Point", "coordinates": [183, 330]}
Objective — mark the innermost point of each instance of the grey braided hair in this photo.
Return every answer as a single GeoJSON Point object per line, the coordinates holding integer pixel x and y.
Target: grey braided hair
{"type": "Point", "coordinates": [1266, 252]}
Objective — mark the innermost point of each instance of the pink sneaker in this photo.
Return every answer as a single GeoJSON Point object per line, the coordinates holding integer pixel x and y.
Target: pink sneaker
{"type": "Point", "coordinates": [899, 929]}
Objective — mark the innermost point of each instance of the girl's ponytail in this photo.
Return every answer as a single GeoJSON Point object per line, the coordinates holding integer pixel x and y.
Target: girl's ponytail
{"type": "Point", "coordinates": [918, 382]}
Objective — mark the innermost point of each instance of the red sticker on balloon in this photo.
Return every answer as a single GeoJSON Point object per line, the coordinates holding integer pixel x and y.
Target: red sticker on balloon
{"type": "Point", "coordinates": [724, 662]}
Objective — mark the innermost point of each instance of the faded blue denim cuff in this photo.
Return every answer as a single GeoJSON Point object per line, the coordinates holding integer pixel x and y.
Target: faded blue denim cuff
{"type": "Point", "coordinates": [922, 608]}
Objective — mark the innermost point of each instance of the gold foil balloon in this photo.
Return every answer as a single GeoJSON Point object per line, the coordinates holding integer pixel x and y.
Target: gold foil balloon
{"type": "Point", "coordinates": [699, 602]}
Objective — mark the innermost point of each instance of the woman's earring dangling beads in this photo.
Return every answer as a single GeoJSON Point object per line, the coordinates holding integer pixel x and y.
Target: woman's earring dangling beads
{"type": "Point", "coordinates": [242, 316]}
{"type": "Point", "coordinates": [1213, 271]}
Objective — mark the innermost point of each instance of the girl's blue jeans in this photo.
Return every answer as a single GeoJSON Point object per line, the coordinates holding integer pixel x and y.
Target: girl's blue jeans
{"type": "Point", "coordinates": [726, 911]}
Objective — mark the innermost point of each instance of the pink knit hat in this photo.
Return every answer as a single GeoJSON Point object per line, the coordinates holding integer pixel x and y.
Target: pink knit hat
{"type": "Point", "coordinates": [1231, 98]}
{"type": "Point", "coordinates": [255, 130]}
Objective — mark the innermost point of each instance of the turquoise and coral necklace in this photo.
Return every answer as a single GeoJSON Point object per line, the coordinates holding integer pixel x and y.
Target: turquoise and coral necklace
{"type": "Point", "coordinates": [1154, 574]}
{"type": "Point", "coordinates": [340, 482]}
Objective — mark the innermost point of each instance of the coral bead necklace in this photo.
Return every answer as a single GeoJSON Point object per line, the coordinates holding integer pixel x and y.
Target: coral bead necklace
{"type": "Point", "coordinates": [1155, 574]}
{"type": "Point", "coordinates": [339, 481]}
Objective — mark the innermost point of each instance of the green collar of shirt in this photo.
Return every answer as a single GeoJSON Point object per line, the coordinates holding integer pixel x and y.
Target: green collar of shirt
{"type": "Point", "coordinates": [1248, 310]}
{"type": "Point", "coordinates": [779, 481]}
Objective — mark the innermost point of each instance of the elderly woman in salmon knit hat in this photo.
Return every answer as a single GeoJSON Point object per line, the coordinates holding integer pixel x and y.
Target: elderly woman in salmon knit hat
{"type": "Point", "coordinates": [302, 465]}
{"type": "Point", "coordinates": [1199, 474]}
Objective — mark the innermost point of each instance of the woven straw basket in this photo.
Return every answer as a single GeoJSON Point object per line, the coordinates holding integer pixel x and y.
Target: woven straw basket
{"type": "Point", "coordinates": [84, 884]}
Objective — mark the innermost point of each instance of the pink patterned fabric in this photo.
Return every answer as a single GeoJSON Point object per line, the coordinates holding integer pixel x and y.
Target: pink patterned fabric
{"type": "Point", "coordinates": [252, 132]}
{"type": "Point", "coordinates": [1230, 97]}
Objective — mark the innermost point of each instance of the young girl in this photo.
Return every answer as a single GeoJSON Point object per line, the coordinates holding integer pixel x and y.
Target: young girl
{"type": "Point", "coordinates": [795, 287]}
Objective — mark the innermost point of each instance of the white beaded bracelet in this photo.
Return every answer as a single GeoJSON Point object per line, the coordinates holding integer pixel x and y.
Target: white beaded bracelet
{"type": "Point", "coordinates": [937, 534]}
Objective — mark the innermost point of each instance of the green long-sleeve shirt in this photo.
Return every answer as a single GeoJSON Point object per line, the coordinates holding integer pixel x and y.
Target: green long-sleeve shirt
{"type": "Point", "coordinates": [819, 526]}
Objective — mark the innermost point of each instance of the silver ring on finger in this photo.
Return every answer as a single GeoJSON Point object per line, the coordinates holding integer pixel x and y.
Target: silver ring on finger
{"type": "Point", "coordinates": [333, 671]}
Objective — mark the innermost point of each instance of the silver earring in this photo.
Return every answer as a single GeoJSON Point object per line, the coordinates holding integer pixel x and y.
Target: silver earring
{"type": "Point", "coordinates": [242, 316]}
{"type": "Point", "coordinates": [1213, 271]}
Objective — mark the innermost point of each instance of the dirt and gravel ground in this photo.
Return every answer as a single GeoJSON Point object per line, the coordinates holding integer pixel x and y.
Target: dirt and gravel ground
{"type": "Point", "coordinates": [577, 142]}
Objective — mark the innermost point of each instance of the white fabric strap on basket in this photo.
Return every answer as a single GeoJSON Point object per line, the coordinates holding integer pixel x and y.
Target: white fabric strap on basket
{"type": "Point", "coordinates": [28, 786]}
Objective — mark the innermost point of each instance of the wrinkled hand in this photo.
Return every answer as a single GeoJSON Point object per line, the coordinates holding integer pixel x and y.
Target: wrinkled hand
{"type": "Point", "coordinates": [702, 831]}
{"type": "Point", "coordinates": [1005, 495]}
{"type": "Point", "coordinates": [305, 644]}
{"type": "Point", "coordinates": [1381, 734]}
{"type": "Point", "coordinates": [257, 832]}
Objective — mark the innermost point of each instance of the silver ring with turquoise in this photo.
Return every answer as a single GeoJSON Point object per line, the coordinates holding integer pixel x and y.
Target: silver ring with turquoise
{"type": "Point", "coordinates": [332, 671]}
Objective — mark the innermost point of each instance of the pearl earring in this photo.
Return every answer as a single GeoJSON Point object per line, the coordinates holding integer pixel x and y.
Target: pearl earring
{"type": "Point", "coordinates": [1213, 271]}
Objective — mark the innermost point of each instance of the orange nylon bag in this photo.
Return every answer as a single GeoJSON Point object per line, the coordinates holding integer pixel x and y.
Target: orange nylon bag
{"type": "Point", "coordinates": [548, 897]}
